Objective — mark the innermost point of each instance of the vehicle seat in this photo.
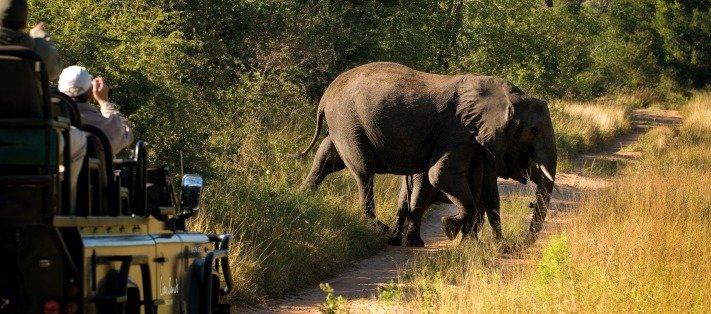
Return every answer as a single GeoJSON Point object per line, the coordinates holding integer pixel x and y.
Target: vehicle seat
{"type": "Point", "coordinates": [107, 198]}
{"type": "Point", "coordinates": [30, 188]}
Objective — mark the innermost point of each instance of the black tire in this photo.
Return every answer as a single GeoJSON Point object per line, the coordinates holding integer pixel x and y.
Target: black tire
{"type": "Point", "coordinates": [133, 304]}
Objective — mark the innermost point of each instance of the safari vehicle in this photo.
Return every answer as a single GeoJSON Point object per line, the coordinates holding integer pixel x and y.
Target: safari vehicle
{"type": "Point", "coordinates": [124, 247]}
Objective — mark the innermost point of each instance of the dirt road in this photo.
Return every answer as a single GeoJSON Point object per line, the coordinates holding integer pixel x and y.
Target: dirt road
{"type": "Point", "coordinates": [359, 284]}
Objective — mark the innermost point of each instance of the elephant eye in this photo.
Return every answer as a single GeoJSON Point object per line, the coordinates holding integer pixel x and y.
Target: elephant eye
{"type": "Point", "coordinates": [534, 130]}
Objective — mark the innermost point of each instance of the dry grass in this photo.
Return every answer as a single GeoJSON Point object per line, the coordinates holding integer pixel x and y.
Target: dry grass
{"type": "Point", "coordinates": [285, 238]}
{"type": "Point", "coordinates": [697, 122]}
{"type": "Point", "coordinates": [588, 126]}
{"type": "Point", "coordinates": [643, 245]}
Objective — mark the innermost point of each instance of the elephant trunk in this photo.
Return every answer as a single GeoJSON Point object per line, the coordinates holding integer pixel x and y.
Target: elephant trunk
{"type": "Point", "coordinates": [543, 174]}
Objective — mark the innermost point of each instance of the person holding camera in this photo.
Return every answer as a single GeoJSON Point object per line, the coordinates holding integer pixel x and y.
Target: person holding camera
{"type": "Point", "coordinates": [77, 83]}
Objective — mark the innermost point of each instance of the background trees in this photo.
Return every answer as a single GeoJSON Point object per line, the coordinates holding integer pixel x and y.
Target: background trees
{"type": "Point", "coordinates": [270, 60]}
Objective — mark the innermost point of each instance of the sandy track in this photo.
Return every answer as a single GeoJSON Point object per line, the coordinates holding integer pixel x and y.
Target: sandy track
{"type": "Point", "coordinates": [359, 283]}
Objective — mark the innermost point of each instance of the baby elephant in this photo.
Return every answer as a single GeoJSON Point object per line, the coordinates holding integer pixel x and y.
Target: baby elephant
{"type": "Point", "coordinates": [417, 194]}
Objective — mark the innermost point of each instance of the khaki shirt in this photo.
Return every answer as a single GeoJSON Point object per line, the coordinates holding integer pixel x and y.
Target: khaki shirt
{"type": "Point", "coordinates": [40, 43]}
{"type": "Point", "coordinates": [114, 125]}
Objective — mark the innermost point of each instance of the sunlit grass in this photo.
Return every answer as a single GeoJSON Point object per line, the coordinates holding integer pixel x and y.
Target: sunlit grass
{"type": "Point", "coordinates": [642, 245]}
{"type": "Point", "coordinates": [587, 126]}
{"type": "Point", "coordinates": [515, 219]}
{"type": "Point", "coordinates": [697, 123]}
{"type": "Point", "coordinates": [285, 238]}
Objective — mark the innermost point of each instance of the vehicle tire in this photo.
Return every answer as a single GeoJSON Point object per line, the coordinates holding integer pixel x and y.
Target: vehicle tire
{"type": "Point", "coordinates": [108, 287]}
{"type": "Point", "coordinates": [215, 296]}
{"type": "Point", "coordinates": [223, 309]}
{"type": "Point", "coordinates": [133, 304]}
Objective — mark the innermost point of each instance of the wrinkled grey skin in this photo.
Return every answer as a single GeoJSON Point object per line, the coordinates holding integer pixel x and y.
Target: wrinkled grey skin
{"type": "Point", "coordinates": [387, 118]}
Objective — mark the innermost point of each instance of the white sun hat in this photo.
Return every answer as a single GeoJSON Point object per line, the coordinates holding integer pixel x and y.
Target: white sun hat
{"type": "Point", "coordinates": [74, 81]}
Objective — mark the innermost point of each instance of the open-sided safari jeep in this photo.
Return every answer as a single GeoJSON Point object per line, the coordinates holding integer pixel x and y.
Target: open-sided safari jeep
{"type": "Point", "coordinates": [124, 247]}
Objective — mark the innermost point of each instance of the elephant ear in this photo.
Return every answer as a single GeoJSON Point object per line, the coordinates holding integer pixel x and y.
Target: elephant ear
{"type": "Point", "coordinates": [484, 107]}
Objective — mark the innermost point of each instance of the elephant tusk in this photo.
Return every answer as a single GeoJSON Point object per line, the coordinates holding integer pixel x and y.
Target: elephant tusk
{"type": "Point", "coordinates": [545, 171]}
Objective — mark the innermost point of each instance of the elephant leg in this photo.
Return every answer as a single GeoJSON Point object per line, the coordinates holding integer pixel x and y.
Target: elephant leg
{"type": "Point", "coordinates": [403, 210]}
{"type": "Point", "coordinates": [459, 179]}
{"type": "Point", "coordinates": [423, 196]}
{"type": "Point", "coordinates": [326, 161]}
{"type": "Point", "coordinates": [367, 200]}
{"type": "Point", "coordinates": [491, 202]}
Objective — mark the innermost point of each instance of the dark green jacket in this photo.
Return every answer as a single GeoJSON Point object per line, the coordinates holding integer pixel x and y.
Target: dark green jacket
{"type": "Point", "coordinates": [40, 43]}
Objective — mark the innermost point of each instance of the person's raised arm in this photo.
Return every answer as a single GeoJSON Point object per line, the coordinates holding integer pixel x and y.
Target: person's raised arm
{"type": "Point", "coordinates": [47, 50]}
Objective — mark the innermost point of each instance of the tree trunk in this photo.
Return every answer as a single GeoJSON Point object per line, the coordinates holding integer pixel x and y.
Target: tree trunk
{"type": "Point", "coordinates": [452, 26]}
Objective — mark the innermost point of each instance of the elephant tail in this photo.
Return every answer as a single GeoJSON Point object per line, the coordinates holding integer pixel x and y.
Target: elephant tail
{"type": "Point", "coordinates": [319, 121]}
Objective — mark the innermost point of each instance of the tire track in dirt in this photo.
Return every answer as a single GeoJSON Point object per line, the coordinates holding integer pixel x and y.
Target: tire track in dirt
{"type": "Point", "coordinates": [359, 284]}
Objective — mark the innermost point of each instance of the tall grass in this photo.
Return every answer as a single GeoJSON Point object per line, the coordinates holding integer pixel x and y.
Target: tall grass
{"type": "Point", "coordinates": [285, 238]}
{"type": "Point", "coordinates": [588, 126]}
{"type": "Point", "coordinates": [643, 245]}
{"type": "Point", "coordinates": [697, 122]}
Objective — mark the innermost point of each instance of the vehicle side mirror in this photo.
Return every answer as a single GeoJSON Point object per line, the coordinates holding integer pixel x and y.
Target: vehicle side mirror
{"type": "Point", "coordinates": [190, 193]}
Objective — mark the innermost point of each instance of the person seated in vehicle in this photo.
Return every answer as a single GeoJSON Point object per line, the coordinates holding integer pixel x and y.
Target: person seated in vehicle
{"type": "Point", "coordinates": [77, 83]}
{"type": "Point", "coordinates": [13, 21]}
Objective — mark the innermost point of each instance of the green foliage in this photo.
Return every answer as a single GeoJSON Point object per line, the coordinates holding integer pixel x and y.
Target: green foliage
{"type": "Point", "coordinates": [389, 292]}
{"type": "Point", "coordinates": [554, 260]}
{"type": "Point", "coordinates": [333, 304]}
{"type": "Point", "coordinates": [685, 28]}
{"type": "Point", "coordinates": [540, 50]}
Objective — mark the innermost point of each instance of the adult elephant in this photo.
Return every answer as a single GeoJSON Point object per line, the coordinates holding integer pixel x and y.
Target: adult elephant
{"type": "Point", "coordinates": [387, 118]}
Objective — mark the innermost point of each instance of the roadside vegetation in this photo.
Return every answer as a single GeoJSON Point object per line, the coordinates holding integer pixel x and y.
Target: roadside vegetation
{"type": "Point", "coordinates": [641, 245]}
{"type": "Point", "coordinates": [232, 86]}
{"type": "Point", "coordinates": [587, 126]}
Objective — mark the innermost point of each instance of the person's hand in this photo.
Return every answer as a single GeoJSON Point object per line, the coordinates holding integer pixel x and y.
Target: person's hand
{"type": "Point", "coordinates": [38, 30]}
{"type": "Point", "coordinates": [100, 90]}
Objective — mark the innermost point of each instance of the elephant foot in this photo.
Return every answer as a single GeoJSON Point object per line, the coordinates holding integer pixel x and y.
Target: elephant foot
{"type": "Point", "coordinates": [395, 239]}
{"type": "Point", "coordinates": [535, 227]}
{"type": "Point", "coordinates": [414, 241]}
{"type": "Point", "coordinates": [307, 187]}
{"type": "Point", "coordinates": [451, 226]}
{"type": "Point", "coordinates": [531, 238]}
{"type": "Point", "coordinates": [383, 229]}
